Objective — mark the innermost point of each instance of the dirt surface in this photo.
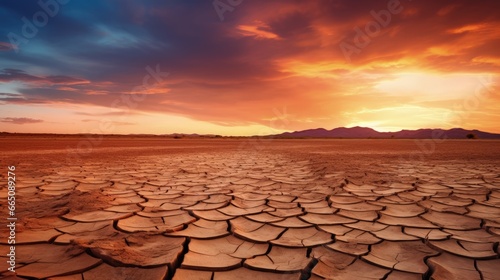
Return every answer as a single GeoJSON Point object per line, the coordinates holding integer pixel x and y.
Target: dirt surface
{"type": "Point", "coordinates": [163, 208]}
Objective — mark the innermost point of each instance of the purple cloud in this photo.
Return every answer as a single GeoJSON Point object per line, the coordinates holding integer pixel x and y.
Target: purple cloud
{"type": "Point", "coordinates": [20, 120]}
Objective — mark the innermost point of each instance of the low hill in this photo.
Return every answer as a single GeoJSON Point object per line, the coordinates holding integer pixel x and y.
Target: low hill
{"type": "Point", "coordinates": [365, 132]}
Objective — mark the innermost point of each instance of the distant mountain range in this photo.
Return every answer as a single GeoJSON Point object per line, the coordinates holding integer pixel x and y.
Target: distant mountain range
{"type": "Point", "coordinates": [365, 132]}
{"type": "Point", "coordinates": [340, 132]}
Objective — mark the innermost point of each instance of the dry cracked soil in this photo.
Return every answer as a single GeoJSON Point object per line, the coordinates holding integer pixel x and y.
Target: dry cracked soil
{"type": "Point", "coordinates": [158, 208]}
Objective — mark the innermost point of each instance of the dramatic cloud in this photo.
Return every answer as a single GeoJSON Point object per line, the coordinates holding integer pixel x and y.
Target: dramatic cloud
{"type": "Point", "coordinates": [386, 64]}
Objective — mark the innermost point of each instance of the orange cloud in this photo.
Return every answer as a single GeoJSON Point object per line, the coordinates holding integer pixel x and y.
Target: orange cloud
{"type": "Point", "coordinates": [20, 120]}
{"type": "Point", "coordinates": [271, 55]}
{"type": "Point", "coordinates": [259, 31]}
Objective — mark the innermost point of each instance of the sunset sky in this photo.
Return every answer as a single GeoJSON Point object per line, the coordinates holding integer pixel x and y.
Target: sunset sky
{"type": "Point", "coordinates": [247, 67]}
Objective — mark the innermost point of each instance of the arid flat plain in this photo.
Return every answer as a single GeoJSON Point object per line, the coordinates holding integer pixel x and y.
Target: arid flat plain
{"type": "Point", "coordinates": [223, 209]}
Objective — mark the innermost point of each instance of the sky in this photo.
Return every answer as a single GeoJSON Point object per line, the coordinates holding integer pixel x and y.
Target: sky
{"type": "Point", "coordinates": [248, 67]}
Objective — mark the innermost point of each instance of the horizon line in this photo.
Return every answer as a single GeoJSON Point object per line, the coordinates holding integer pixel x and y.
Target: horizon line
{"type": "Point", "coordinates": [219, 135]}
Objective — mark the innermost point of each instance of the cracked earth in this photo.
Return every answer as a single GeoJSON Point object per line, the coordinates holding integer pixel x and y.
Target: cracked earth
{"type": "Point", "coordinates": [300, 209]}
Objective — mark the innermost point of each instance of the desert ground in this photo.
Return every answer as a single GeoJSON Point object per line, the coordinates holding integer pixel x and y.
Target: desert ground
{"type": "Point", "coordinates": [247, 209]}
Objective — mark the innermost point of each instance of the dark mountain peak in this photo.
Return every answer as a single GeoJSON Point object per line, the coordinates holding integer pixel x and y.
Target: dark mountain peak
{"type": "Point", "coordinates": [367, 132]}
